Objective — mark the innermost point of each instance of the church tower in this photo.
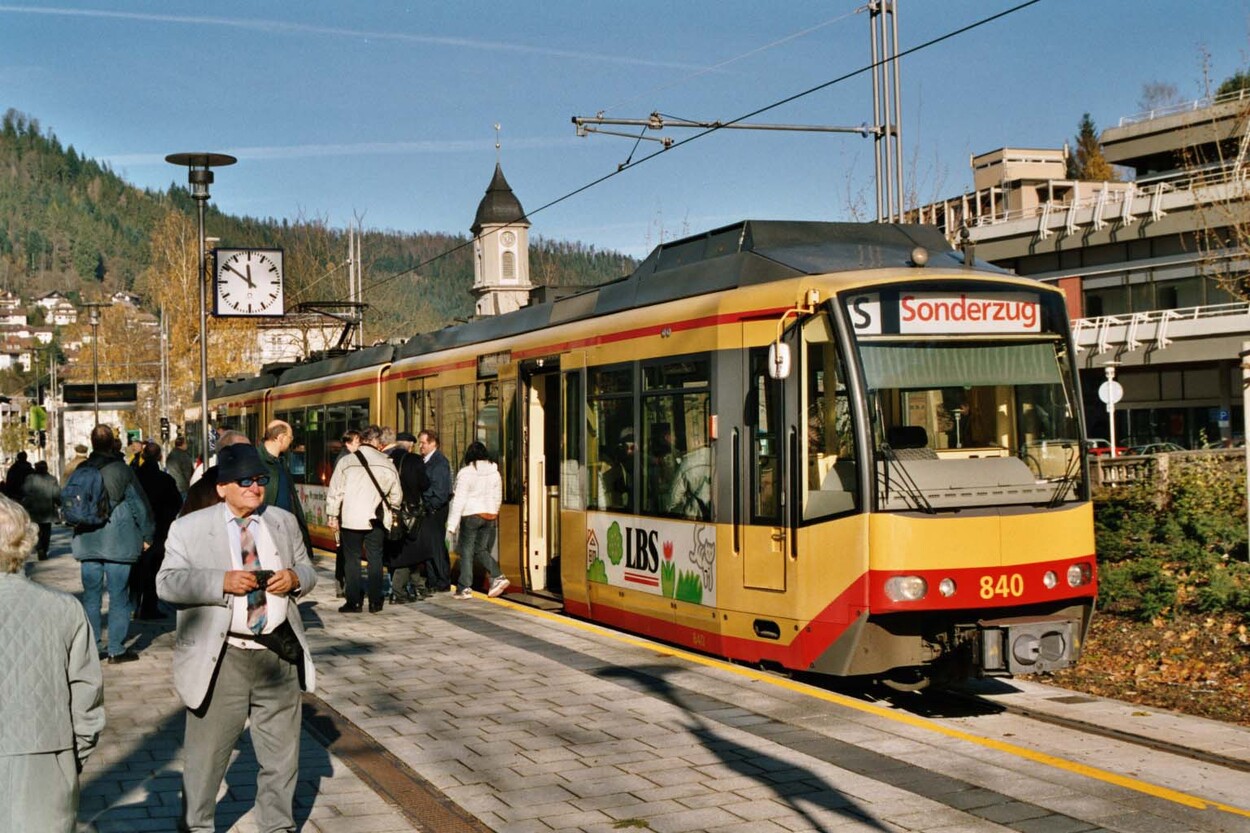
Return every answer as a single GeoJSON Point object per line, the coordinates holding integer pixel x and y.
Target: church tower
{"type": "Point", "coordinates": [501, 262]}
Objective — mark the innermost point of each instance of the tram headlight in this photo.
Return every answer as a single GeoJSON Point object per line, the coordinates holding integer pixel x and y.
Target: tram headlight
{"type": "Point", "coordinates": [1050, 579]}
{"type": "Point", "coordinates": [947, 587]}
{"type": "Point", "coordinates": [906, 588]}
{"type": "Point", "coordinates": [1079, 574]}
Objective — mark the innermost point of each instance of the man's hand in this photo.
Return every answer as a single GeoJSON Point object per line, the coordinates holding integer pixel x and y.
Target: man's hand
{"type": "Point", "coordinates": [240, 582]}
{"type": "Point", "coordinates": [282, 583]}
{"type": "Point", "coordinates": [333, 523]}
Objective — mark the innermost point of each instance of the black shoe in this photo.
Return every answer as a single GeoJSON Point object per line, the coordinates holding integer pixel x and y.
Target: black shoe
{"type": "Point", "coordinates": [349, 608]}
{"type": "Point", "coordinates": [401, 598]}
{"type": "Point", "coordinates": [125, 656]}
{"type": "Point", "coordinates": [104, 654]}
{"type": "Point", "coordinates": [375, 608]}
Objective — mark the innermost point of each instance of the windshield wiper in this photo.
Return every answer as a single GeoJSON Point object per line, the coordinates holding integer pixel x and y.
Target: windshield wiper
{"type": "Point", "coordinates": [910, 490]}
{"type": "Point", "coordinates": [1067, 480]}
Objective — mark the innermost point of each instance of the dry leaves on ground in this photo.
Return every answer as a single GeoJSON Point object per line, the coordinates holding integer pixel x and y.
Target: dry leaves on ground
{"type": "Point", "coordinates": [1196, 664]}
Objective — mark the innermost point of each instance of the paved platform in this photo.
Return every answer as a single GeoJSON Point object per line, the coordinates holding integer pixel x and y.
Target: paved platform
{"type": "Point", "coordinates": [526, 721]}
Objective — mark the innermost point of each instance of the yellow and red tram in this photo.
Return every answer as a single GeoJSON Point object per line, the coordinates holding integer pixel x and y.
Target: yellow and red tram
{"type": "Point", "coordinates": [823, 447]}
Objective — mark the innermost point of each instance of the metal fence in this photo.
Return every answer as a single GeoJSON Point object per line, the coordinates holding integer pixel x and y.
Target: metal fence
{"type": "Point", "coordinates": [1154, 469]}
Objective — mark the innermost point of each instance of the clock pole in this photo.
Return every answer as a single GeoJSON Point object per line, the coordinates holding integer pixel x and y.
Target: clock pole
{"type": "Point", "coordinates": [200, 177]}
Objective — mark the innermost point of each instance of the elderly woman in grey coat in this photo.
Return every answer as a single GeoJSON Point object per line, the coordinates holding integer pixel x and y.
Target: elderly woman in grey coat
{"type": "Point", "coordinates": [51, 694]}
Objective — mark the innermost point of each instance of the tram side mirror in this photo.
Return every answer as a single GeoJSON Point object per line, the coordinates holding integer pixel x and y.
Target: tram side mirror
{"type": "Point", "coordinates": [779, 360]}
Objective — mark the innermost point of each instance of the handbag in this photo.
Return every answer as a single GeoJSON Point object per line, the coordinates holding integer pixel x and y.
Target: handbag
{"type": "Point", "coordinates": [396, 531]}
{"type": "Point", "coordinates": [283, 642]}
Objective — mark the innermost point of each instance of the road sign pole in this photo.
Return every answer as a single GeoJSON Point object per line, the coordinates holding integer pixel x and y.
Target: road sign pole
{"type": "Point", "coordinates": [1111, 399]}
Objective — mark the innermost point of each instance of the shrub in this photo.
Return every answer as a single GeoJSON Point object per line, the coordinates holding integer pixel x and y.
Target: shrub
{"type": "Point", "coordinates": [1188, 554]}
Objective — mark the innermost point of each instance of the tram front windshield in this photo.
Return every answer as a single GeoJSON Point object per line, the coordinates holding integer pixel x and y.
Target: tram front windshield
{"type": "Point", "coordinates": [973, 420]}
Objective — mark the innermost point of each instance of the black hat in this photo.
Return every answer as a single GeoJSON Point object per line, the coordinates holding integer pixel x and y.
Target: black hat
{"type": "Point", "coordinates": [405, 437]}
{"type": "Point", "coordinates": [235, 462]}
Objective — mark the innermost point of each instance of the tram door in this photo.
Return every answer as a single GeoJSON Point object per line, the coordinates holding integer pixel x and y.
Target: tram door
{"type": "Point", "coordinates": [763, 464]}
{"type": "Point", "coordinates": [542, 478]}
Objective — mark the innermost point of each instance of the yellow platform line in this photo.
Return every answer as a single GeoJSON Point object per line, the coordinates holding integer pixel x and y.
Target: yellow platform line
{"type": "Point", "coordinates": [1137, 785]}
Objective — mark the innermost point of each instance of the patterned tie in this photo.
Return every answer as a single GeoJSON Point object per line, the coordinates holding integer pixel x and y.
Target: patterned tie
{"type": "Point", "coordinates": [251, 561]}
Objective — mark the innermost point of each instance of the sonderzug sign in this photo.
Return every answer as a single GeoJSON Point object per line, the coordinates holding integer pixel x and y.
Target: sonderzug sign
{"type": "Point", "coordinates": [908, 313]}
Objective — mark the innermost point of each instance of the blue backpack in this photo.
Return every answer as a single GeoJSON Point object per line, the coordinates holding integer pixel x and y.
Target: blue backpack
{"type": "Point", "coordinates": [84, 500]}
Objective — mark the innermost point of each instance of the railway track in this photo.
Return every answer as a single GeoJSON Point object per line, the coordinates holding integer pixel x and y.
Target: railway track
{"type": "Point", "coordinates": [965, 704]}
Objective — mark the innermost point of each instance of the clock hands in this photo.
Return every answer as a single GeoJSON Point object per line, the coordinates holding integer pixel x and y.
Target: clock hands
{"type": "Point", "coordinates": [247, 277]}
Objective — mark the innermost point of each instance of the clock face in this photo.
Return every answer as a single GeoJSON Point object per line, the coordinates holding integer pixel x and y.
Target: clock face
{"type": "Point", "coordinates": [508, 238]}
{"type": "Point", "coordinates": [249, 282]}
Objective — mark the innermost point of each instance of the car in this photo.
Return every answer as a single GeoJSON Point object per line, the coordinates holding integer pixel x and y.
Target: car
{"type": "Point", "coordinates": [1102, 448]}
{"type": "Point", "coordinates": [1156, 448]}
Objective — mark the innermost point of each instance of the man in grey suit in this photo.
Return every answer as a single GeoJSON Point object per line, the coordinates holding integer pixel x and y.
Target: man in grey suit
{"type": "Point", "coordinates": [216, 561]}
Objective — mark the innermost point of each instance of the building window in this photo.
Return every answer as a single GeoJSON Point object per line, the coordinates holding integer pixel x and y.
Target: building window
{"type": "Point", "coordinates": [509, 267]}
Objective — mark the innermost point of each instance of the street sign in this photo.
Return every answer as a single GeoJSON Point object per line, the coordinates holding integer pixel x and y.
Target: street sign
{"type": "Point", "coordinates": [1111, 392]}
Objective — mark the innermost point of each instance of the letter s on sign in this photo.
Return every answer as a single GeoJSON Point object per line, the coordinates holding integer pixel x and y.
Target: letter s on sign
{"type": "Point", "coordinates": [865, 312]}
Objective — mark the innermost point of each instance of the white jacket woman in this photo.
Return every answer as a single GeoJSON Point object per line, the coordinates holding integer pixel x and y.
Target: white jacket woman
{"type": "Point", "coordinates": [474, 513]}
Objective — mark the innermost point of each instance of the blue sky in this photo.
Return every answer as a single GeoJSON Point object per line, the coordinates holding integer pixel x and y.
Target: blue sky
{"type": "Point", "coordinates": [387, 109]}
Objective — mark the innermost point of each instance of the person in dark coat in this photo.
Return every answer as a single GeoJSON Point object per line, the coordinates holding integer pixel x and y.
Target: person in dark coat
{"type": "Point", "coordinates": [41, 497]}
{"type": "Point", "coordinates": [162, 492]}
{"type": "Point", "coordinates": [431, 536]}
{"type": "Point", "coordinates": [407, 555]}
{"type": "Point", "coordinates": [18, 472]}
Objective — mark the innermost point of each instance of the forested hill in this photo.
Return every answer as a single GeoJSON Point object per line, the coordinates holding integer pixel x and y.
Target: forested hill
{"type": "Point", "coordinates": [69, 223]}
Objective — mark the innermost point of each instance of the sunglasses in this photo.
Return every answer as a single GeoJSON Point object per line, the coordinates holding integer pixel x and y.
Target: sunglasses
{"type": "Point", "coordinates": [245, 482]}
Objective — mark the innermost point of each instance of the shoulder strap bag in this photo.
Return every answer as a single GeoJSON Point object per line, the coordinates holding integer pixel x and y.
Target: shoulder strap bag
{"type": "Point", "coordinates": [395, 531]}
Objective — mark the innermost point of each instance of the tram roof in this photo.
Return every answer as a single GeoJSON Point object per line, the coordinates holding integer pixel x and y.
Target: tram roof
{"type": "Point", "coordinates": [369, 356]}
{"type": "Point", "coordinates": [746, 253]}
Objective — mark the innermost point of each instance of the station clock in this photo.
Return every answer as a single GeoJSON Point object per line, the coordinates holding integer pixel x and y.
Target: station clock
{"type": "Point", "coordinates": [247, 282]}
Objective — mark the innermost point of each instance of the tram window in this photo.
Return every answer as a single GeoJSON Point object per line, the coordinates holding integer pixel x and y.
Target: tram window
{"type": "Point", "coordinates": [455, 431]}
{"type": "Point", "coordinates": [763, 420]}
{"type": "Point", "coordinates": [829, 458]}
{"type": "Point", "coordinates": [403, 419]}
{"type": "Point", "coordinates": [299, 439]}
{"type": "Point", "coordinates": [358, 415]}
{"type": "Point", "coordinates": [317, 467]}
{"type": "Point", "coordinates": [486, 427]}
{"type": "Point", "coordinates": [611, 448]}
{"type": "Point", "coordinates": [508, 469]}
{"type": "Point", "coordinates": [677, 473]}
{"type": "Point", "coordinates": [572, 471]}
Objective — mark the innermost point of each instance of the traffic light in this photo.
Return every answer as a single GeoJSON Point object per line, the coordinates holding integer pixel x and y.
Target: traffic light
{"type": "Point", "coordinates": [164, 428]}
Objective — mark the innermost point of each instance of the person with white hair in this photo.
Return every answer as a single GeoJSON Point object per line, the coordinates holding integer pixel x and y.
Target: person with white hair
{"type": "Point", "coordinates": [52, 698]}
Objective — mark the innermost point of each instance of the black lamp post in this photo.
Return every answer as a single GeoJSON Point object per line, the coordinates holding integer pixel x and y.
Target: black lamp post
{"type": "Point", "coordinates": [200, 177]}
{"type": "Point", "coordinates": [93, 311]}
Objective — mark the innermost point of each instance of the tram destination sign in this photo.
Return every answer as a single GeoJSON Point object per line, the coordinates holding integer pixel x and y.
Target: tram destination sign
{"type": "Point", "coordinates": [951, 313]}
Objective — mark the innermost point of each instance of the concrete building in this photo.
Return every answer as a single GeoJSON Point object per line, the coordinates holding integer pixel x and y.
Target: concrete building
{"type": "Point", "coordinates": [1147, 263]}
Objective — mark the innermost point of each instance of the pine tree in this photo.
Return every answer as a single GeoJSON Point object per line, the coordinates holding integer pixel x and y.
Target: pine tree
{"type": "Point", "coordinates": [1087, 162]}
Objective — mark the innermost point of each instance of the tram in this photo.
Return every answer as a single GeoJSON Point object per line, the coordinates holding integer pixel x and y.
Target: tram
{"type": "Point", "coordinates": [824, 447]}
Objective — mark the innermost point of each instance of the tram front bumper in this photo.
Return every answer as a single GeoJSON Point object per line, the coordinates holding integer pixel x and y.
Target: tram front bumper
{"type": "Point", "coordinates": [1028, 645]}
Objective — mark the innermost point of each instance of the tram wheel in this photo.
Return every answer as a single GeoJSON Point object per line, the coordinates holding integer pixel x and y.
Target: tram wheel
{"type": "Point", "coordinates": [907, 680]}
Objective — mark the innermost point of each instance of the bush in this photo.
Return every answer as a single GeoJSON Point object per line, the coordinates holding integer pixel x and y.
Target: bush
{"type": "Point", "coordinates": [1188, 555]}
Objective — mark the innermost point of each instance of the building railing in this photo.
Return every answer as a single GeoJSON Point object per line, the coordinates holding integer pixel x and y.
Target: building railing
{"type": "Point", "coordinates": [1185, 107]}
{"type": "Point", "coordinates": [1109, 201]}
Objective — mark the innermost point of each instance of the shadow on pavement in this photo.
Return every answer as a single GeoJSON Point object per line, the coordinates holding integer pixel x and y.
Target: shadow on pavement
{"type": "Point", "coordinates": [790, 783]}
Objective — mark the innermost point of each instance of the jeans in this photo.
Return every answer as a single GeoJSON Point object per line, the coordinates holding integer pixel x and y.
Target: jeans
{"type": "Point", "coordinates": [369, 543]}
{"type": "Point", "coordinates": [113, 576]}
{"type": "Point", "coordinates": [477, 539]}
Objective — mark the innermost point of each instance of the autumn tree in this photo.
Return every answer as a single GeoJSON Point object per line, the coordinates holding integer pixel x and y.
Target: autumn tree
{"type": "Point", "coordinates": [1087, 162]}
{"type": "Point", "coordinates": [169, 284]}
{"type": "Point", "coordinates": [1216, 165]}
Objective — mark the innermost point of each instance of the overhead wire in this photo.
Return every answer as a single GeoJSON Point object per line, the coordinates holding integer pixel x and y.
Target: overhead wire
{"type": "Point", "coordinates": [720, 126]}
